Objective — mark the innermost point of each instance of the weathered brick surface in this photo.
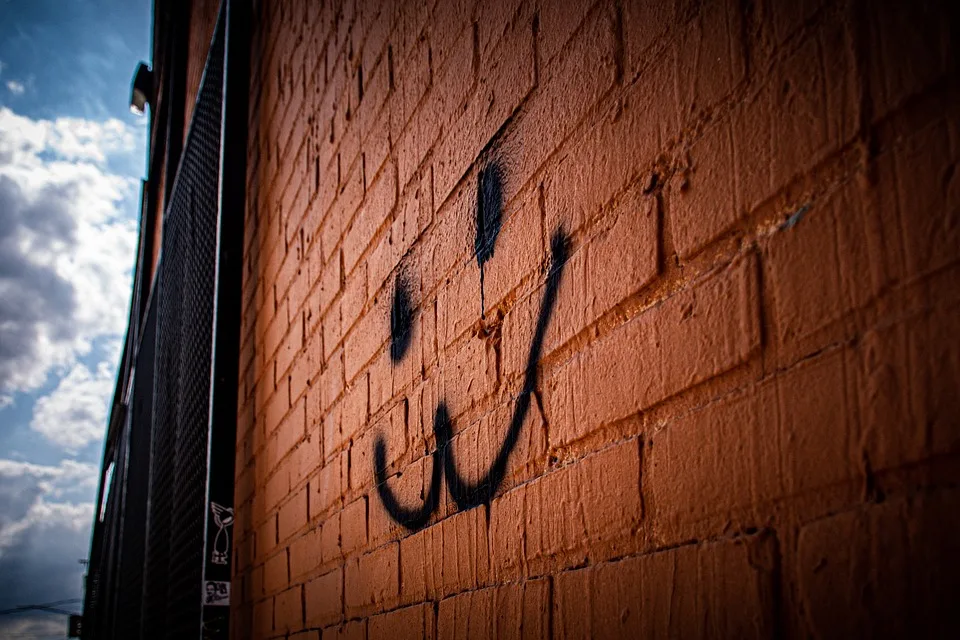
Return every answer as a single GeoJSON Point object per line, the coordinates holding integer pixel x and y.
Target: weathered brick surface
{"type": "Point", "coordinates": [730, 412]}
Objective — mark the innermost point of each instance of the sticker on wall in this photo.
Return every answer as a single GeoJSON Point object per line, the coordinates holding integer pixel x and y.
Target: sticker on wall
{"type": "Point", "coordinates": [216, 593]}
{"type": "Point", "coordinates": [223, 518]}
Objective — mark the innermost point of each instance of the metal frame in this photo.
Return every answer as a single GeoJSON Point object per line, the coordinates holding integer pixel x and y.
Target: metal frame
{"type": "Point", "coordinates": [224, 371]}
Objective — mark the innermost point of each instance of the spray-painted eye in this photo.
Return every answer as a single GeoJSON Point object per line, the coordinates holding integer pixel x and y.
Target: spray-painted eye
{"type": "Point", "coordinates": [489, 211]}
{"type": "Point", "coordinates": [401, 319]}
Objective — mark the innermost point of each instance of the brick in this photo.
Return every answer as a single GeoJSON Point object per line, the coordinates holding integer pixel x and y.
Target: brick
{"type": "Point", "coordinates": [478, 445]}
{"type": "Point", "coordinates": [598, 508]}
{"type": "Point", "coordinates": [327, 489]}
{"type": "Point", "coordinates": [715, 590]}
{"type": "Point", "coordinates": [331, 381]}
{"type": "Point", "coordinates": [625, 243]}
{"type": "Point", "coordinates": [372, 581]}
{"type": "Point", "coordinates": [905, 374]}
{"type": "Point", "coordinates": [510, 611]}
{"type": "Point", "coordinates": [275, 574]}
{"type": "Point", "coordinates": [710, 57]}
{"type": "Point", "coordinates": [792, 435]}
{"type": "Point", "coordinates": [517, 254]}
{"type": "Point", "coordinates": [621, 145]}
{"type": "Point", "coordinates": [305, 554]}
{"type": "Point", "coordinates": [464, 552]}
{"type": "Point", "coordinates": [504, 82]}
{"type": "Point", "coordinates": [368, 335]}
{"type": "Point", "coordinates": [373, 213]}
{"type": "Point", "coordinates": [355, 404]}
{"type": "Point", "coordinates": [716, 322]}
{"type": "Point", "coordinates": [645, 23]}
{"type": "Point", "coordinates": [356, 630]}
{"type": "Point", "coordinates": [293, 515]}
{"type": "Point", "coordinates": [410, 623]}
{"type": "Point", "coordinates": [362, 453]}
{"type": "Point", "coordinates": [879, 580]}
{"type": "Point", "coordinates": [330, 549]}
{"type": "Point", "coordinates": [288, 610]}
{"type": "Point", "coordinates": [816, 305]}
{"type": "Point", "coordinates": [703, 199]}
{"type": "Point", "coordinates": [323, 599]}
{"type": "Point", "coordinates": [468, 615]}
{"type": "Point", "coordinates": [558, 21]}
{"type": "Point", "coordinates": [814, 116]}
{"type": "Point", "coordinates": [263, 618]}
{"type": "Point", "coordinates": [893, 76]}
{"type": "Point", "coordinates": [353, 525]}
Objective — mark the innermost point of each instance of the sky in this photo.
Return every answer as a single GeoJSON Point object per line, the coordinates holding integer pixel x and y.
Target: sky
{"type": "Point", "coordinates": [71, 159]}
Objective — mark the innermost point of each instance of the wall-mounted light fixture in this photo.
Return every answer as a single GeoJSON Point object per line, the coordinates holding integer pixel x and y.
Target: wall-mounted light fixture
{"type": "Point", "coordinates": [141, 91]}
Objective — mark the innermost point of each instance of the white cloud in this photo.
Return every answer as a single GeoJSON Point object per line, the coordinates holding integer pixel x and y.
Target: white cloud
{"type": "Point", "coordinates": [66, 254]}
{"type": "Point", "coordinates": [31, 499]}
{"type": "Point", "coordinates": [16, 88]}
{"type": "Point", "coordinates": [46, 512]}
{"type": "Point", "coordinates": [75, 413]}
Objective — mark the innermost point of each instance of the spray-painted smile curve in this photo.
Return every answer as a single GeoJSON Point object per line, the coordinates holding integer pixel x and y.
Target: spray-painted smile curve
{"type": "Point", "coordinates": [465, 494]}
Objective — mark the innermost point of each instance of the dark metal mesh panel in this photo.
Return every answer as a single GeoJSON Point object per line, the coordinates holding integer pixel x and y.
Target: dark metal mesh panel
{"type": "Point", "coordinates": [127, 624]}
{"type": "Point", "coordinates": [174, 563]}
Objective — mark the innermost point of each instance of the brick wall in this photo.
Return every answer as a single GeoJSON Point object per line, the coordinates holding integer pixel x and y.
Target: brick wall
{"type": "Point", "coordinates": [678, 279]}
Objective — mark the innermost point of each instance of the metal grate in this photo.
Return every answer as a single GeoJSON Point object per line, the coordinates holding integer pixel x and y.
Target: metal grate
{"type": "Point", "coordinates": [174, 562]}
{"type": "Point", "coordinates": [137, 463]}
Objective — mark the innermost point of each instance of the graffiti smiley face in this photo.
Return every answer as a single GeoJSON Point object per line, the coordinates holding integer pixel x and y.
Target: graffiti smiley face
{"type": "Point", "coordinates": [465, 494]}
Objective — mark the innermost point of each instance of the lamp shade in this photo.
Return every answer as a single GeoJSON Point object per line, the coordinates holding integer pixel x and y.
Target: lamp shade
{"type": "Point", "coordinates": [141, 91]}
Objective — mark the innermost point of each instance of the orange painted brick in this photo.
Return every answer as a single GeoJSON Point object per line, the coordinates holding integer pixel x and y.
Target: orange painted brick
{"type": "Point", "coordinates": [332, 431]}
{"type": "Point", "coordinates": [900, 548]}
{"type": "Point", "coordinates": [371, 331]}
{"type": "Point", "coordinates": [327, 489]}
{"type": "Point", "coordinates": [504, 82]}
{"type": "Point", "coordinates": [710, 56]}
{"type": "Point", "coordinates": [275, 573]}
{"type": "Point", "coordinates": [793, 435]}
{"type": "Point", "coordinates": [354, 406]}
{"type": "Point", "coordinates": [645, 23]}
{"type": "Point", "coordinates": [905, 373]}
{"type": "Point", "coordinates": [626, 244]}
{"type": "Point", "coordinates": [267, 536]}
{"type": "Point", "coordinates": [330, 550]}
{"type": "Point", "coordinates": [288, 610]}
{"type": "Point", "coordinates": [592, 505]}
{"type": "Point", "coordinates": [715, 323]}
{"type": "Point", "coordinates": [620, 146]}
{"type": "Point", "coordinates": [323, 599]}
{"type": "Point", "coordinates": [410, 623]}
{"type": "Point", "coordinates": [372, 581]}
{"type": "Point", "coordinates": [373, 213]}
{"type": "Point", "coordinates": [804, 112]}
{"type": "Point", "coordinates": [468, 615]}
{"type": "Point", "coordinates": [353, 526]}
{"type": "Point", "coordinates": [464, 552]}
{"type": "Point", "coordinates": [727, 590]}
{"type": "Point", "coordinates": [356, 630]}
{"type": "Point", "coordinates": [292, 515]}
{"type": "Point", "coordinates": [703, 199]}
{"type": "Point", "coordinates": [263, 618]}
{"type": "Point", "coordinates": [305, 553]}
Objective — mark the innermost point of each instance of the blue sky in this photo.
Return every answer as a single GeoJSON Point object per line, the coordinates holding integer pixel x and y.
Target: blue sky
{"type": "Point", "coordinates": [71, 157]}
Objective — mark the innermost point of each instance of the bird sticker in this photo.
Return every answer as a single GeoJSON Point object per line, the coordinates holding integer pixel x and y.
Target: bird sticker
{"type": "Point", "coordinates": [223, 518]}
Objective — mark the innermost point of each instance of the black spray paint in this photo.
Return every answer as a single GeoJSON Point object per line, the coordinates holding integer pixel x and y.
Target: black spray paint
{"type": "Point", "coordinates": [489, 216]}
{"type": "Point", "coordinates": [465, 494]}
{"type": "Point", "coordinates": [401, 320]}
